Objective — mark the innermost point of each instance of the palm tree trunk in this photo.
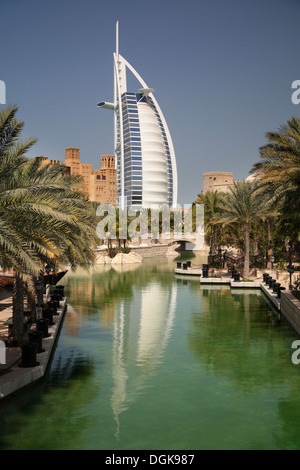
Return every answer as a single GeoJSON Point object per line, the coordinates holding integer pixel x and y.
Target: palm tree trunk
{"type": "Point", "coordinates": [31, 296]}
{"type": "Point", "coordinates": [18, 308]}
{"type": "Point", "coordinates": [215, 237]}
{"type": "Point", "coordinates": [269, 226]}
{"type": "Point", "coordinates": [39, 286]}
{"type": "Point", "coordinates": [246, 271]}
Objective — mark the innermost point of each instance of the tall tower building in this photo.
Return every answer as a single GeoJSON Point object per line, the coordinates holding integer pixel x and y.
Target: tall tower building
{"type": "Point", "coordinates": [145, 157]}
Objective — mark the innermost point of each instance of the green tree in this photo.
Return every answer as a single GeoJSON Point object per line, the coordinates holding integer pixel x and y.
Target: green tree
{"type": "Point", "coordinates": [43, 216]}
{"type": "Point", "coordinates": [279, 168]}
{"type": "Point", "coordinates": [213, 203]}
{"type": "Point", "coordinates": [242, 206]}
{"type": "Point", "coordinates": [12, 158]}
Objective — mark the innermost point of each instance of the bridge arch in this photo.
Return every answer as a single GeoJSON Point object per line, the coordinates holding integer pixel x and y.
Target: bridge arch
{"type": "Point", "coordinates": [185, 244]}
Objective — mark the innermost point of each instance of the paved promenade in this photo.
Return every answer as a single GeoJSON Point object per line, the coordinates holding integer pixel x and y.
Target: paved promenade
{"type": "Point", "coordinates": [12, 376]}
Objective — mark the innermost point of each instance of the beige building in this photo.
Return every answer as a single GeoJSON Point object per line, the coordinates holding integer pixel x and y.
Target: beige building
{"type": "Point", "coordinates": [217, 181]}
{"type": "Point", "coordinates": [103, 182]}
{"type": "Point", "coordinates": [100, 185]}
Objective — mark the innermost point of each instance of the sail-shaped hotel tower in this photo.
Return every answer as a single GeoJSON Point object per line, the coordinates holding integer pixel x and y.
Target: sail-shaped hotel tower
{"type": "Point", "coordinates": [145, 157]}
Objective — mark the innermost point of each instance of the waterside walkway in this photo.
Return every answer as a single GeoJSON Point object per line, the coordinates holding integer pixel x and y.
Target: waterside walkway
{"type": "Point", "coordinates": [225, 279]}
{"type": "Point", "coordinates": [12, 376]}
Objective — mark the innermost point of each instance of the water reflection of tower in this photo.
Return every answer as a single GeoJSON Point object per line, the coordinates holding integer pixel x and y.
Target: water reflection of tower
{"type": "Point", "coordinates": [142, 328]}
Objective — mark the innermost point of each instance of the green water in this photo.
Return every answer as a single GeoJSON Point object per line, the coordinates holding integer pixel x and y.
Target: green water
{"type": "Point", "coordinates": [147, 360]}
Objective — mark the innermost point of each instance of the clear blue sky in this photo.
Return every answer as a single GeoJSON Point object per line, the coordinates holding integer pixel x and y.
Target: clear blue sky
{"type": "Point", "coordinates": [221, 69]}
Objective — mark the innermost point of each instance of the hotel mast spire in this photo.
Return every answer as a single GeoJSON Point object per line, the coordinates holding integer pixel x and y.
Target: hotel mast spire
{"type": "Point", "coordinates": [117, 40]}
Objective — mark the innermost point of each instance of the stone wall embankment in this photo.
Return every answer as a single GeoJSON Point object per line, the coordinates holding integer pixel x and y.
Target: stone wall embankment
{"type": "Point", "coordinates": [142, 252]}
{"type": "Point", "coordinates": [290, 309]}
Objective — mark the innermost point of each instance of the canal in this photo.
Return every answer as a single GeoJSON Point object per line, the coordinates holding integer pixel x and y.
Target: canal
{"type": "Point", "coordinates": [147, 360]}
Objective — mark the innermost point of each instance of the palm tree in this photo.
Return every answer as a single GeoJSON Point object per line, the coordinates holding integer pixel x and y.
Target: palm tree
{"type": "Point", "coordinates": [60, 225]}
{"type": "Point", "coordinates": [11, 159]}
{"type": "Point", "coordinates": [43, 215]}
{"type": "Point", "coordinates": [12, 247]}
{"type": "Point", "coordinates": [279, 168]}
{"type": "Point", "coordinates": [273, 208]}
{"type": "Point", "coordinates": [242, 206]}
{"type": "Point", "coordinates": [212, 201]}
{"type": "Point", "coordinates": [281, 156]}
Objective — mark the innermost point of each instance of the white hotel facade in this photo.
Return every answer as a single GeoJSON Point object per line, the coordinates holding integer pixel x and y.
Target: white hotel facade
{"type": "Point", "coordinates": [145, 157]}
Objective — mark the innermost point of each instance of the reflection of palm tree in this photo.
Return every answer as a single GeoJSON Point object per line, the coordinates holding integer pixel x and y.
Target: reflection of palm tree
{"type": "Point", "coordinates": [72, 387]}
{"type": "Point", "coordinates": [233, 336]}
{"type": "Point", "coordinates": [289, 413]}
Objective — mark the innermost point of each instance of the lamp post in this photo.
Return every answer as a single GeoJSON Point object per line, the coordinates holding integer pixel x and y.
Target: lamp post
{"type": "Point", "coordinates": [224, 258]}
{"type": "Point", "coordinates": [47, 269]}
{"type": "Point", "coordinates": [39, 309]}
{"type": "Point", "coordinates": [291, 270]}
{"type": "Point", "coordinates": [48, 284]}
{"type": "Point", "coordinates": [272, 259]}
